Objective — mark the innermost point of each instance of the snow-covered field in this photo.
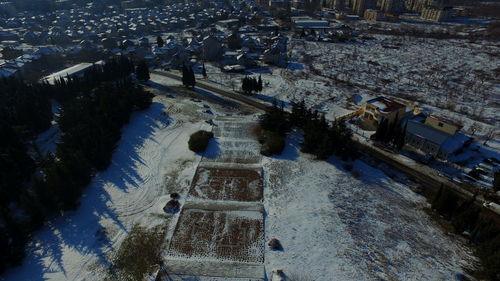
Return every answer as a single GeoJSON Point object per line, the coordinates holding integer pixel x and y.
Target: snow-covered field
{"type": "Point", "coordinates": [457, 79]}
{"type": "Point", "coordinates": [332, 225]}
{"type": "Point", "coordinates": [335, 225]}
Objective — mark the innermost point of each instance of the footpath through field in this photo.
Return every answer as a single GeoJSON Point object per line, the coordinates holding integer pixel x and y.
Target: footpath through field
{"type": "Point", "coordinates": [220, 231]}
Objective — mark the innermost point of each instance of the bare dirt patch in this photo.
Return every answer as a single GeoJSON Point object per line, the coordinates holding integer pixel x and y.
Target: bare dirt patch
{"type": "Point", "coordinates": [229, 236]}
{"type": "Point", "coordinates": [227, 184]}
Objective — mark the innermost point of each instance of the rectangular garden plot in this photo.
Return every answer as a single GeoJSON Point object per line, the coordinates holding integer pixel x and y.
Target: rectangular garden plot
{"type": "Point", "coordinates": [236, 151]}
{"type": "Point", "coordinates": [227, 184]}
{"type": "Point", "coordinates": [225, 236]}
{"type": "Point", "coordinates": [237, 130]}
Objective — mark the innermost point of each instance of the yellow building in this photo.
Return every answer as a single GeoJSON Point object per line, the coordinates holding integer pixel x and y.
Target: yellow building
{"type": "Point", "coordinates": [441, 124]}
{"type": "Point", "coordinates": [436, 14]}
{"type": "Point", "coordinates": [373, 15]}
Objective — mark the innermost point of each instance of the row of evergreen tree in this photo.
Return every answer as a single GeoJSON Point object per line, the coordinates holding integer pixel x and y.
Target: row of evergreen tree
{"type": "Point", "coordinates": [32, 187]}
{"type": "Point", "coordinates": [66, 88]}
{"type": "Point", "coordinates": [321, 138]}
{"type": "Point", "coordinates": [188, 78]}
{"type": "Point", "coordinates": [251, 84]}
{"type": "Point", "coordinates": [391, 133]}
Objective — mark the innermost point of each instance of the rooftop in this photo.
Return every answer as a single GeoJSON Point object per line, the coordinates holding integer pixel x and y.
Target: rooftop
{"type": "Point", "coordinates": [384, 104]}
{"type": "Point", "coordinates": [447, 121]}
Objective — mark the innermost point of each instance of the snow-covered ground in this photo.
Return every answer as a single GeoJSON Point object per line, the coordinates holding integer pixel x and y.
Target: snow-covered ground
{"type": "Point", "coordinates": [152, 159]}
{"type": "Point", "coordinates": [333, 226]}
{"type": "Point", "coordinates": [336, 226]}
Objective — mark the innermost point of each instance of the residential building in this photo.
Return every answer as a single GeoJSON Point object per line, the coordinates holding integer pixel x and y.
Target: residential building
{"type": "Point", "coordinates": [435, 13]}
{"type": "Point", "coordinates": [359, 6]}
{"type": "Point", "coordinates": [432, 135]}
{"type": "Point", "coordinates": [392, 6]}
{"type": "Point", "coordinates": [381, 108]}
{"type": "Point", "coordinates": [373, 15]}
{"type": "Point", "coordinates": [76, 70]}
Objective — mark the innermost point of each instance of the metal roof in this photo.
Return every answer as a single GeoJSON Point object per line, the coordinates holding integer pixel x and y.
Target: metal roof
{"type": "Point", "coordinates": [426, 132]}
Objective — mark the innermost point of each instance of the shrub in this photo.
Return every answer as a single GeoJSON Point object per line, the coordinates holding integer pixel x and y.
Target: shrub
{"type": "Point", "coordinates": [348, 167]}
{"type": "Point", "coordinates": [172, 206]}
{"type": "Point", "coordinates": [198, 141]}
{"type": "Point", "coordinates": [138, 253]}
{"type": "Point", "coordinates": [272, 143]}
{"type": "Point", "coordinates": [275, 245]}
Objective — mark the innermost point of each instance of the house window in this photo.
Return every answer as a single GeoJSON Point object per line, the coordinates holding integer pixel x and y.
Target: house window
{"type": "Point", "coordinates": [440, 124]}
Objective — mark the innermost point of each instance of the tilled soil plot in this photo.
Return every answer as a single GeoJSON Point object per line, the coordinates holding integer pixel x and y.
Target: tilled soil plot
{"type": "Point", "coordinates": [227, 184]}
{"type": "Point", "coordinates": [226, 236]}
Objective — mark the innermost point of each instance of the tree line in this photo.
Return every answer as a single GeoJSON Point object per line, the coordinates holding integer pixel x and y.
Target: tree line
{"type": "Point", "coordinates": [188, 78]}
{"type": "Point", "coordinates": [33, 186]}
{"type": "Point", "coordinates": [321, 138]}
{"type": "Point", "coordinates": [251, 84]}
{"type": "Point", "coordinates": [391, 133]}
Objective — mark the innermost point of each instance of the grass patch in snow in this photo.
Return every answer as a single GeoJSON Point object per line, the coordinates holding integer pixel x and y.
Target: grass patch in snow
{"type": "Point", "coordinates": [138, 253]}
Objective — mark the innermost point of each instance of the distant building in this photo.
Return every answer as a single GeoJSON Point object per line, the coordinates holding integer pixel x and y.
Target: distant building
{"type": "Point", "coordinates": [333, 4]}
{"type": "Point", "coordinates": [360, 6]}
{"type": "Point", "coordinates": [383, 108]}
{"type": "Point", "coordinates": [229, 23]}
{"type": "Point", "coordinates": [76, 70]}
{"type": "Point", "coordinates": [435, 13]}
{"type": "Point", "coordinates": [306, 22]}
{"type": "Point", "coordinates": [392, 6]}
{"type": "Point", "coordinates": [373, 15]}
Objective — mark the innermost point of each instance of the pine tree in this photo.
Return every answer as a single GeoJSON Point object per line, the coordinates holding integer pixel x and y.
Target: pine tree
{"type": "Point", "coordinates": [496, 181]}
{"type": "Point", "coordinates": [391, 130]}
{"type": "Point", "coordinates": [204, 71]}
{"type": "Point", "coordinates": [185, 75]}
{"type": "Point", "coordinates": [400, 141]}
{"type": "Point", "coordinates": [259, 89]}
{"type": "Point", "coordinates": [254, 85]}
{"type": "Point", "coordinates": [159, 41]}
{"type": "Point", "coordinates": [142, 71]}
{"type": "Point", "coordinates": [192, 78]}
{"type": "Point", "coordinates": [245, 85]}
{"type": "Point", "coordinates": [382, 129]}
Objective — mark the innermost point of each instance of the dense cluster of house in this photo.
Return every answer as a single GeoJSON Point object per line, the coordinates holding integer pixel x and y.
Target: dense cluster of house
{"type": "Point", "coordinates": [75, 30]}
{"type": "Point", "coordinates": [211, 31]}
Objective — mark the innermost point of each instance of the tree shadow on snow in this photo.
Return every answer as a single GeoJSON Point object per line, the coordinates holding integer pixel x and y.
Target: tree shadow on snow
{"type": "Point", "coordinates": [271, 100]}
{"type": "Point", "coordinates": [213, 149]}
{"type": "Point", "coordinates": [292, 147]}
{"type": "Point", "coordinates": [81, 230]}
{"type": "Point", "coordinates": [122, 170]}
{"type": "Point", "coordinates": [159, 87]}
{"type": "Point", "coordinates": [370, 176]}
{"type": "Point", "coordinates": [211, 96]}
